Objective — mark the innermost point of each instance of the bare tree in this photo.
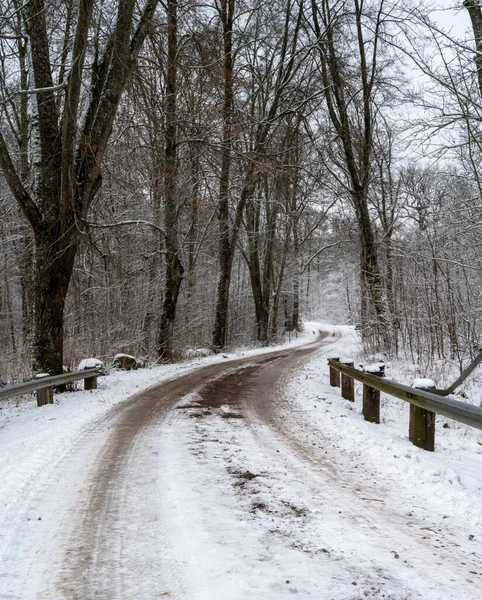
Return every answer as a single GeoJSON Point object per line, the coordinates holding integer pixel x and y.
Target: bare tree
{"type": "Point", "coordinates": [70, 149]}
{"type": "Point", "coordinates": [267, 99]}
{"type": "Point", "coordinates": [226, 11]}
{"type": "Point", "coordinates": [174, 267]}
{"type": "Point", "coordinates": [350, 87]}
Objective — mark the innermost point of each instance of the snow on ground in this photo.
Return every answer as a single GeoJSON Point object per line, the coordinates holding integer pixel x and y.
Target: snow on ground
{"type": "Point", "coordinates": [326, 507]}
{"type": "Point", "coordinates": [34, 440]}
{"type": "Point", "coordinates": [441, 489]}
{"type": "Point", "coordinates": [352, 513]}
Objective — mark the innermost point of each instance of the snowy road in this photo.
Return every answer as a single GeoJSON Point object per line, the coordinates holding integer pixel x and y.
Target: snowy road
{"type": "Point", "coordinates": [203, 488]}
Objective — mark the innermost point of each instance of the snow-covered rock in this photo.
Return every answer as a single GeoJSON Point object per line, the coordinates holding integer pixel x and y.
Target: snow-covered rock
{"type": "Point", "coordinates": [125, 362]}
{"type": "Point", "coordinates": [90, 363]}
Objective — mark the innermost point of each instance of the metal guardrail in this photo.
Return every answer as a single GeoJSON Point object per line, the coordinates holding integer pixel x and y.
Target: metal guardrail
{"type": "Point", "coordinates": [453, 409]}
{"type": "Point", "coordinates": [430, 403]}
{"type": "Point", "coordinates": [48, 383]}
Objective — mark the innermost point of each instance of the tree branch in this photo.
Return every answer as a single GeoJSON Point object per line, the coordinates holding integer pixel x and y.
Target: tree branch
{"type": "Point", "coordinates": [69, 118]}
{"type": "Point", "coordinates": [127, 222]}
{"type": "Point", "coordinates": [116, 66]}
{"type": "Point", "coordinates": [310, 260]}
{"type": "Point", "coordinates": [47, 108]}
{"type": "Point", "coordinates": [28, 206]}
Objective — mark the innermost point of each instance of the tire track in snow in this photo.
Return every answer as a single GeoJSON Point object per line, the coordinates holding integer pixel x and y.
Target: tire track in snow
{"type": "Point", "coordinates": [427, 554]}
{"type": "Point", "coordinates": [116, 533]}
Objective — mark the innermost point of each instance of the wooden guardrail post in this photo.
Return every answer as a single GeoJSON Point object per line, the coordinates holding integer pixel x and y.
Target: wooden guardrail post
{"type": "Point", "coordinates": [422, 428]}
{"type": "Point", "coordinates": [348, 383]}
{"type": "Point", "coordinates": [90, 383]}
{"type": "Point", "coordinates": [46, 395]}
{"type": "Point", "coordinates": [421, 431]}
{"type": "Point", "coordinates": [334, 375]}
{"type": "Point", "coordinates": [371, 396]}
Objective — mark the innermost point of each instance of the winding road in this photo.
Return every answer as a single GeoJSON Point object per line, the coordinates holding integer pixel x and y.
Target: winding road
{"type": "Point", "coordinates": [198, 489]}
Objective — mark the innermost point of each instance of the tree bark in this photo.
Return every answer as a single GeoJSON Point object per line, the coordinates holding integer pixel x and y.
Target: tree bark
{"type": "Point", "coordinates": [174, 268]}
{"type": "Point", "coordinates": [226, 249]}
{"type": "Point", "coordinates": [475, 12]}
{"type": "Point", "coordinates": [260, 281]}
{"type": "Point", "coordinates": [53, 268]}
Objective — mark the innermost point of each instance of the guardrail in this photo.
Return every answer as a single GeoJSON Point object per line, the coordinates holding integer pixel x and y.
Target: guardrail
{"type": "Point", "coordinates": [44, 386]}
{"type": "Point", "coordinates": [424, 405]}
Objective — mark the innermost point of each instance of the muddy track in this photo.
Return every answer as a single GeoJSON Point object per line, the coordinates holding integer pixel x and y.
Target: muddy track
{"type": "Point", "coordinates": [119, 488]}
{"type": "Point", "coordinates": [199, 482]}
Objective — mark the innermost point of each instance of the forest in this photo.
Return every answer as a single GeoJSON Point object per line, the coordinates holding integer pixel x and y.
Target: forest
{"type": "Point", "coordinates": [180, 175]}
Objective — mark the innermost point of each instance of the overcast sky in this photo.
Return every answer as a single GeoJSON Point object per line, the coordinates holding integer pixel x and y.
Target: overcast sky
{"type": "Point", "coordinates": [453, 17]}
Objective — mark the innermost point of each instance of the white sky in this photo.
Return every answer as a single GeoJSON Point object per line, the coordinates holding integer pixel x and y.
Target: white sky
{"type": "Point", "coordinates": [453, 17]}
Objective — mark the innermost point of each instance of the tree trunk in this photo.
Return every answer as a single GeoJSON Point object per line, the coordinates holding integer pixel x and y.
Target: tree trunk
{"type": "Point", "coordinates": [475, 12]}
{"type": "Point", "coordinates": [260, 260]}
{"type": "Point", "coordinates": [53, 269]}
{"type": "Point", "coordinates": [374, 280]}
{"type": "Point", "coordinates": [390, 289]}
{"type": "Point", "coordinates": [195, 171]}
{"type": "Point", "coordinates": [174, 268]}
{"type": "Point", "coordinates": [261, 303]}
{"type": "Point", "coordinates": [363, 293]}
{"type": "Point", "coordinates": [279, 283]}
{"type": "Point", "coordinates": [356, 138]}
{"type": "Point", "coordinates": [226, 257]}
{"type": "Point", "coordinates": [296, 275]}
{"type": "Point", "coordinates": [172, 285]}
{"type": "Point", "coordinates": [263, 326]}
{"type": "Point", "coordinates": [222, 302]}
{"type": "Point", "coordinates": [226, 249]}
